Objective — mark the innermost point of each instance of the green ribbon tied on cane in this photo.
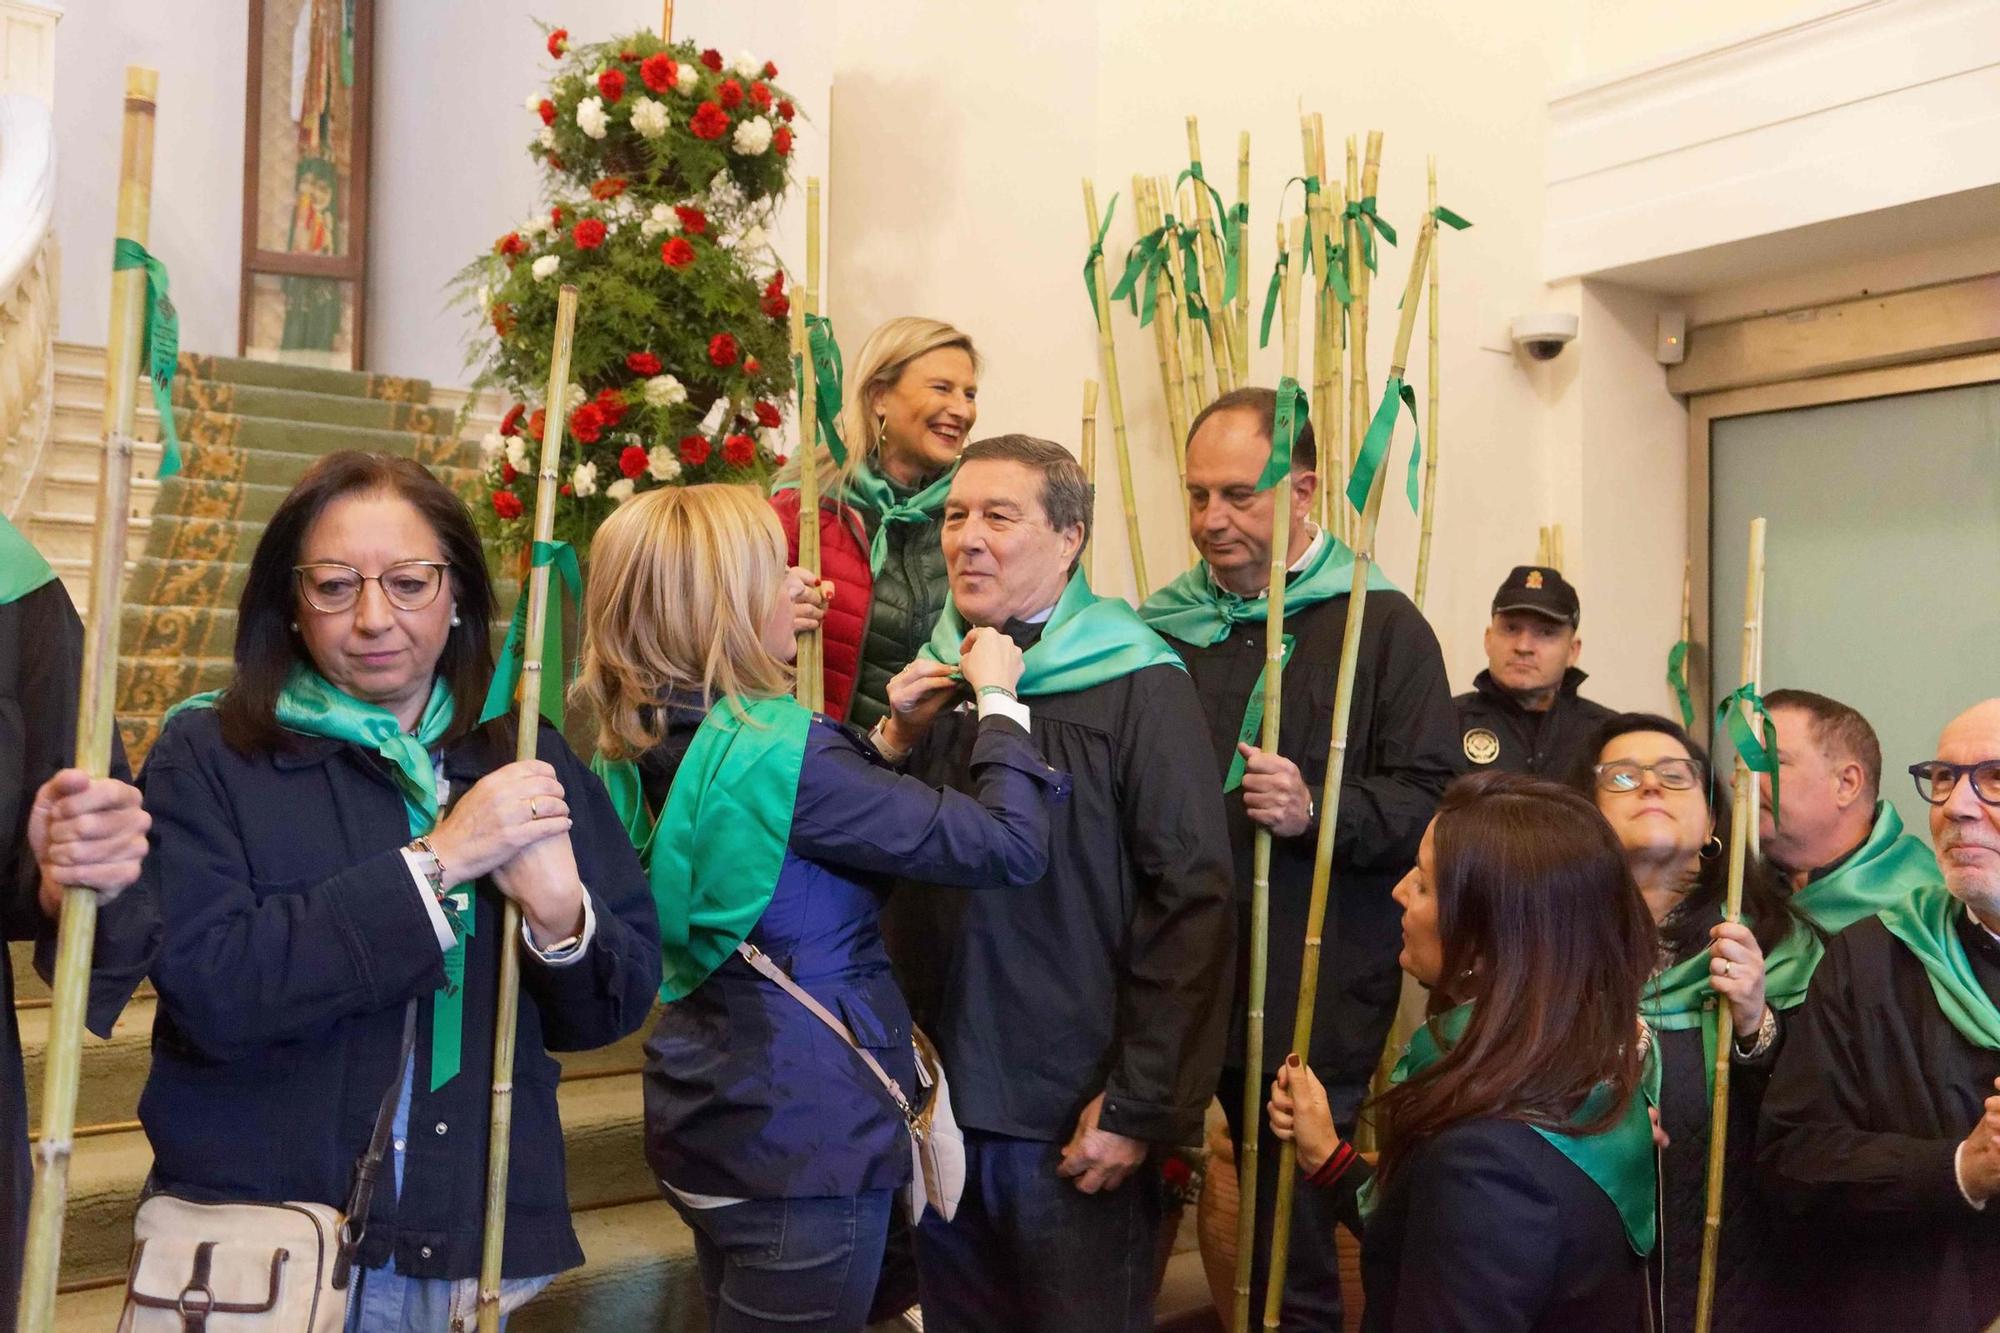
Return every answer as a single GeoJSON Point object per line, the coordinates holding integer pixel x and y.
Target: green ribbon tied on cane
{"type": "Point", "coordinates": [1362, 213]}
{"type": "Point", "coordinates": [1095, 254]}
{"type": "Point", "coordinates": [1287, 420]}
{"type": "Point", "coordinates": [1252, 729]}
{"type": "Point", "coordinates": [829, 384]}
{"type": "Point", "coordinates": [1759, 752]}
{"type": "Point", "coordinates": [1677, 657]}
{"type": "Point", "coordinates": [1231, 235]}
{"type": "Point", "coordinates": [561, 557]}
{"type": "Point", "coordinates": [1375, 446]}
{"type": "Point", "coordinates": [1450, 219]}
{"type": "Point", "coordinates": [1271, 297]}
{"type": "Point", "coordinates": [1145, 263]}
{"type": "Point", "coordinates": [1189, 240]}
{"type": "Point", "coordinates": [162, 350]}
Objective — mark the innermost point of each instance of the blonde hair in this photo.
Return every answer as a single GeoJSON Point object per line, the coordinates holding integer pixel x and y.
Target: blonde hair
{"type": "Point", "coordinates": [883, 358]}
{"type": "Point", "coordinates": [682, 582]}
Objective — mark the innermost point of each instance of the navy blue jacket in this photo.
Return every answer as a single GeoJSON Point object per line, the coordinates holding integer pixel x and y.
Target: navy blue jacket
{"type": "Point", "coordinates": [294, 935]}
{"type": "Point", "coordinates": [748, 1095]}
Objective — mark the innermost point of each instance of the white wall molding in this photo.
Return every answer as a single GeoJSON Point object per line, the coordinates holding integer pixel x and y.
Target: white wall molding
{"type": "Point", "coordinates": [1853, 109]}
{"type": "Point", "coordinates": [28, 47]}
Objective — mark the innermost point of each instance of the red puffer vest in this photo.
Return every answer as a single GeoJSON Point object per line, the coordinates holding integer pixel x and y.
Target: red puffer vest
{"type": "Point", "coordinates": [843, 551]}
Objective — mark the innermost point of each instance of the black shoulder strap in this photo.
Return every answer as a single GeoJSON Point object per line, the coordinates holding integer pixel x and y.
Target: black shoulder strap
{"type": "Point", "coordinates": [369, 1166]}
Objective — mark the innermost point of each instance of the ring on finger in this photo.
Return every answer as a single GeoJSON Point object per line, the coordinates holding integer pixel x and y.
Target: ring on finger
{"type": "Point", "coordinates": [1728, 968]}
{"type": "Point", "coordinates": [533, 813]}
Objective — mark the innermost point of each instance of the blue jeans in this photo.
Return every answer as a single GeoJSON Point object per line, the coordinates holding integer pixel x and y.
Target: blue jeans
{"type": "Point", "coordinates": [1030, 1253]}
{"type": "Point", "coordinates": [801, 1265]}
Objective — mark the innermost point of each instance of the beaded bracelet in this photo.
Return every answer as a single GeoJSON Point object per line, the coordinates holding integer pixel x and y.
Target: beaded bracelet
{"type": "Point", "coordinates": [1334, 1167]}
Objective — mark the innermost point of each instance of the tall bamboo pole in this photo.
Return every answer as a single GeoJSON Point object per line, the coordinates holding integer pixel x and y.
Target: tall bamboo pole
{"type": "Point", "coordinates": [97, 690]}
{"type": "Point", "coordinates": [1107, 356]}
{"type": "Point", "coordinates": [500, 1140]}
{"type": "Point", "coordinates": [1221, 317]}
{"type": "Point", "coordinates": [1743, 812]}
{"type": "Point", "coordinates": [1187, 342]}
{"type": "Point", "coordinates": [1430, 409]}
{"type": "Point", "coordinates": [1329, 800]}
{"type": "Point", "coordinates": [1260, 847]}
{"type": "Point", "coordinates": [1333, 451]}
{"type": "Point", "coordinates": [1165, 344]}
{"type": "Point", "coordinates": [1357, 314]}
{"type": "Point", "coordinates": [810, 667]}
{"type": "Point", "coordinates": [1242, 329]}
{"type": "Point", "coordinates": [667, 20]}
{"type": "Point", "coordinates": [1325, 307]}
{"type": "Point", "coordinates": [1089, 461]}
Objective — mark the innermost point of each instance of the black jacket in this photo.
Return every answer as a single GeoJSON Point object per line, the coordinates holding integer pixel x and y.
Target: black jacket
{"type": "Point", "coordinates": [1547, 744]}
{"type": "Point", "coordinates": [1401, 755]}
{"type": "Point", "coordinates": [1108, 974]}
{"type": "Point", "coordinates": [294, 937]}
{"type": "Point", "coordinates": [41, 654]}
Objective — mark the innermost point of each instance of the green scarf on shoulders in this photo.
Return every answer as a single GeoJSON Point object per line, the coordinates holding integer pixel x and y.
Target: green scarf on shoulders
{"type": "Point", "coordinates": [1926, 921]}
{"type": "Point", "coordinates": [1087, 641]}
{"type": "Point", "coordinates": [714, 854]}
{"type": "Point", "coordinates": [22, 569]}
{"type": "Point", "coordinates": [312, 706]}
{"type": "Point", "coordinates": [1619, 1160]}
{"type": "Point", "coordinates": [1195, 609]}
{"type": "Point", "coordinates": [883, 503]}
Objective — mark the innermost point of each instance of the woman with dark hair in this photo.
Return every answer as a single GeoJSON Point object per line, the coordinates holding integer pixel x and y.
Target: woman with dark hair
{"type": "Point", "coordinates": [1515, 1189]}
{"type": "Point", "coordinates": [1651, 781]}
{"type": "Point", "coordinates": [333, 836]}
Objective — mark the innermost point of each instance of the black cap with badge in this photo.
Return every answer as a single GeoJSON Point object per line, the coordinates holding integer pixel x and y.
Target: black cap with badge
{"type": "Point", "coordinates": [1541, 591]}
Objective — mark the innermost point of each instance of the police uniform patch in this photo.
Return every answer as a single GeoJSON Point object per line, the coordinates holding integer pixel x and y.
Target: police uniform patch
{"type": "Point", "coordinates": [1481, 746]}
{"type": "Point", "coordinates": [1534, 582]}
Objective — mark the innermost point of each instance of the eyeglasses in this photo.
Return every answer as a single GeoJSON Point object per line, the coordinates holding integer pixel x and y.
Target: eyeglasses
{"type": "Point", "coordinates": [410, 585]}
{"type": "Point", "coordinates": [1625, 775]}
{"type": "Point", "coordinates": [1937, 780]}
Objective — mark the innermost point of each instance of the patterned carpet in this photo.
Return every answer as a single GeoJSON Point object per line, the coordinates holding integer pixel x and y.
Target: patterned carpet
{"type": "Point", "coordinates": [249, 430]}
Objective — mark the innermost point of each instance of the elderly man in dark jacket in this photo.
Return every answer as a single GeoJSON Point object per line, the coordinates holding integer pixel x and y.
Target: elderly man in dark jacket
{"type": "Point", "coordinates": [1081, 1018]}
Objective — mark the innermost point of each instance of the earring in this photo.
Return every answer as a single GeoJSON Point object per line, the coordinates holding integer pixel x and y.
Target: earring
{"type": "Point", "coordinates": [881, 433]}
{"type": "Point", "coordinates": [295, 627]}
{"type": "Point", "coordinates": [455, 621]}
{"type": "Point", "coordinates": [1712, 848]}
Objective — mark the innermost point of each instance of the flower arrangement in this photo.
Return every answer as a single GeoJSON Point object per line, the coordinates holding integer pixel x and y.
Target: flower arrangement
{"type": "Point", "coordinates": [663, 164]}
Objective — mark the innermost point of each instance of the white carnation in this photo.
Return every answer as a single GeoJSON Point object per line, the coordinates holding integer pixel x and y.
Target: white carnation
{"type": "Point", "coordinates": [517, 453]}
{"type": "Point", "coordinates": [660, 461]}
{"type": "Point", "coordinates": [491, 445]}
{"type": "Point", "coordinates": [537, 224]}
{"type": "Point", "coordinates": [754, 238]}
{"type": "Point", "coordinates": [590, 117]}
{"type": "Point", "coordinates": [583, 481]}
{"type": "Point", "coordinates": [650, 229]}
{"type": "Point", "coordinates": [665, 219]}
{"type": "Point", "coordinates": [546, 265]}
{"type": "Point", "coordinates": [752, 136]}
{"type": "Point", "coordinates": [747, 65]}
{"type": "Point", "coordinates": [686, 76]}
{"type": "Point", "coordinates": [575, 397]}
{"type": "Point", "coordinates": [665, 391]}
{"type": "Point", "coordinates": [621, 490]}
{"type": "Point", "coordinates": [649, 118]}
{"type": "Point", "coordinates": [547, 138]}
{"type": "Point", "coordinates": [534, 102]}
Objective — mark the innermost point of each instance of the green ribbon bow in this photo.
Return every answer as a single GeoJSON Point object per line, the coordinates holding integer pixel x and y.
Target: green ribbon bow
{"type": "Point", "coordinates": [829, 384]}
{"type": "Point", "coordinates": [1759, 753]}
{"type": "Point", "coordinates": [162, 350]}
{"type": "Point", "coordinates": [1677, 678]}
{"type": "Point", "coordinates": [1375, 445]}
{"type": "Point", "coordinates": [560, 556]}
{"type": "Point", "coordinates": [1333, 272]}
{"type": "Point", "coordinates": [1144, 264]}
{"type": "Point", "coordinates": [1231, 238]}
{"type": "Point", "coordinates": [1362, 212]}
{"type": "Point", "coordinates": [1189, 240]}
{"type": "Point", "coordinates": [1094, 254]}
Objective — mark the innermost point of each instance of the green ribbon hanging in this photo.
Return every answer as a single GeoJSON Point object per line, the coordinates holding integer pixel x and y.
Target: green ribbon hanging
{"type": "Point", "coordinates": [1758, 753]}
{"type": "Point", "coordinates": [162, 350]}
{"type": "Point", "coordinates": [1677, 678]}
{"type": "Point", "coordinates": [1333, 272]}
{"type": "Point", "coordinates": [1271, 297]}
{"type": "Point", "coordinates": [1234, 229]}
{"type": "Point", "coordinates": [1375, 446]}
{"type": "Point", "coordinates": [1229, 240]}
{"type": "Point", "coordinates": [1146, 261]}
{"type": "Point", "coordinates": [561, 557]}
{"type": "Point", "coordinates": [829, 384]}
{"type": "Point", "coordinates": [1189, 241]}
{"type": "Point", "coordinates": [1253, 717]}
{"type": "Point", "coordinates": [1287, 420]}
{"type": "Point", "coordinates": [1362, 212]}
{"type": "Point", "coordinates": [1094, 254]}
{"type": "Point", "coordinates": [1450, 219]}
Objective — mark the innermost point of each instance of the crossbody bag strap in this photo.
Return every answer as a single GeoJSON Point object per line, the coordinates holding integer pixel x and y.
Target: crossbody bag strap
{"type": "Point", "coordinates": [355, 1224]}
{"type": "Point", "coordinates": [760, 960]}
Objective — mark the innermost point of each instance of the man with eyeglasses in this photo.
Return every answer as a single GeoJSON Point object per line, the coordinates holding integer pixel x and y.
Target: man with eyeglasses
{"type": "Point", "coordinates": [1881, 1127]}
{"type": "Point", "coordinates": [1523, 713]}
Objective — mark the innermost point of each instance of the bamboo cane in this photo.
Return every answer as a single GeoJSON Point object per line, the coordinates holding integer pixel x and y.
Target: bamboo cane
{"type": "Point", "coordinates": [1430, 409]}
{"type": "Point", "coordinates": [1743, 812]}
{"type": "Point", "coordinates": [1329, 801]}
{"type": "Point", "coordinates": [1089, 461]}
{"type": "Point", "coordinates": [810, 666]}
{"type": "Point", "coordinates": [1357, 314]}
{"type": "Point", "coordinates": [667, 20]}
{"type": "Point", "coordinates": [1556, 547]}
{"type": "Point", "coordinates": [500, 1140]}
{"type": "Point", "coordinates": [1325, 304]}
{"type": "Point", "coordinates": [1165, 344]}
{"type": "Point", "coordinates": [1221, 317]}
{"type": "Point", "coordinates": [1242, 329]}
{"type": "Point", "coordinates": [1107, 355]}
{"type": "Point", "coordinates": [1260, 847]}
{"type": "Point", "coordinates": [1334, 451]}
{"type": "Point", "coordinates": [97, 689]}
{"type": "Point", "coordinates": [1542, 545]}
{"type": "Point", "coordinates": [1187, 343]}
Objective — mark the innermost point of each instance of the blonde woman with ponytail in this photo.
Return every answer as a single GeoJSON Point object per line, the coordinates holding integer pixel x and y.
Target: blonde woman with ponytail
{"type": "Point", "coordinates": [765, 826]}
{"type": "Point", "coordinates": [911, 402]}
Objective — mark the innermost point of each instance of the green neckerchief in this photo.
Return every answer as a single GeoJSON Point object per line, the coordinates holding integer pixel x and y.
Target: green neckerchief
{"type": "Point", "coordinates": [162, 349]}
{"type": "Point", "coordinates": [714, 855]}
{"type": "Point", "coordinates": [22, 569]}
{"type": "Point", "coordinates": [884, 502]}
{"type": "Point", "coordinates": [1088, 640]}
{"type": "Point", "coordinates": [1619, 1159]}
{"type": "Point", "coordinates": [1881, 872]}
{"type": "Point", "coordinates": [313, 707]}
{"type": "Point", "coordinates": [1926, 921]}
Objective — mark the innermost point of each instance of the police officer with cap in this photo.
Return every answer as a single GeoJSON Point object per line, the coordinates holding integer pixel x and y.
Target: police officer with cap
{"type": "Point", "coordinates": [1523, 714]}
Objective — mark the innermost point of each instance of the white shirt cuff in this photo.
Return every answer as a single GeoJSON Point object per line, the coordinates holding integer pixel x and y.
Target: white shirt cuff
{"type": "Point", "coordinates": [1958, 1173]}
{"type": "Point", "coordinates": [439, 926]}
{"type": "Point", "coordinates": [575, 951]}
{"type": "Point", "coordinates": [1012, 709]}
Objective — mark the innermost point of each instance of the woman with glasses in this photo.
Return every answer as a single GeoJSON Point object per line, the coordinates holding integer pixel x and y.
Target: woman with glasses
{"type": "Point", "coordinates": [1651, 782]}
{"type": "Point", "coordinates": [333, 838]}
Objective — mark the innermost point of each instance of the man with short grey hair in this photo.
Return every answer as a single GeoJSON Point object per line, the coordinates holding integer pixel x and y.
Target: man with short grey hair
{"type": "Point", "coordinates": [1081, 1018]}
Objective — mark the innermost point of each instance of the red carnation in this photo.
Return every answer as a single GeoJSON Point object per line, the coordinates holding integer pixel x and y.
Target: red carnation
{"type": "Point", "coordinates": [612, 84]}
{"type": "Point", "coordinates": [632, 461]}
{"type": "Point", "coordinates": [739, 450]}
{"type": "Point", "coordinates": [610, 405]}
{"type": "Point", "coordinates": [608, 188]}
{"type": "Point", "coordinates": [768, 415]}
{"type": "Point", "coordinates": [642, 363]}
{"type": "Point", "coordinates": [587, 424]}
{"type": "Point", "coordinates": [510, 245]}
{"type": "Point", "coordinates": [786, 109]}
{"type": "Point", "coordinates": [775, 303]}
{"type": "Point", "coordinates": [506, 504]}
{"type": "Point", "coordinates": [559, 42]}
{"type": "Point", "coordinates": [628, 56]}
{"type": "Point", "coordinates": [658, 71]}
{"type": "Point", "coordinates": [511, 423]}
{"type": "Point", "coordinates": [537, 422]}
{"type": "Point", "coordinates": [589, 234]}
{"type": "Point", "coordinates": [713, 59]}
{"type": "Point", "coordinates": [729, 94]}
{"type": "Point", "coordinates": [503, 318]}
{"type": "Point", "coordinates": [693, 221]}
{"type": "Point", "coordinates": [547, 111]}
{"type": "Point", "coordinates": [761, 96]}
{"type": "Point", "coordinates": [770, 70]}
{"type": "Point", "coordinates": [752, 366]}
{"type": "Point", "coordinates": [722, 349]}
{"type": "Point", "coordinates": [555, 216]}
{"type": "Point", "coordinates": [709, 121]}
{"type": "Point", "coordinates": [677, 253]}
{"type": "Point", "coordinates": [782, 141]}
{"type": "Point", "coordinates": [694, 450]}
{"type": "Point", "coordinates": [568, 489]}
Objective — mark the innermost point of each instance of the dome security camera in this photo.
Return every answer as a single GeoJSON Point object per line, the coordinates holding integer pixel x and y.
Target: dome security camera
{"type": "Point", "coordinates": [1544, 336]}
